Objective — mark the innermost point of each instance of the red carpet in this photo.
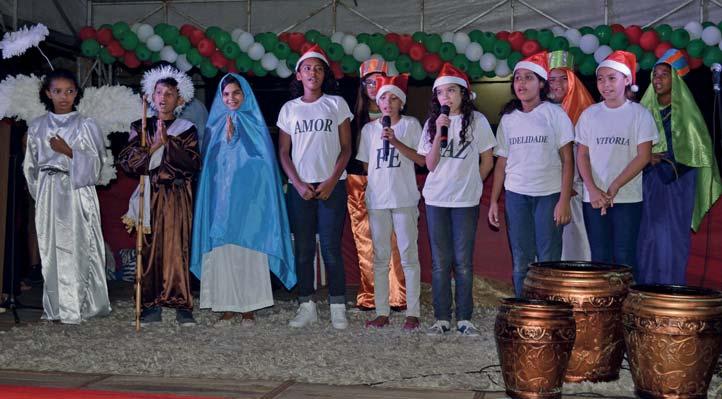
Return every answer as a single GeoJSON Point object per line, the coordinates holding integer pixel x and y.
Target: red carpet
{"type": "Point", "coordinates": [21, 392]}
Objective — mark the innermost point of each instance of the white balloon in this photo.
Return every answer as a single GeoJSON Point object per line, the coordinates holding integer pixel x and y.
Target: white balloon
{"type": "Point", "coordinates": [720, 45]}
{"type": "Point", "coordinates": [589, 43]}
{"type": "Point", "coordinates": [338, 37]}
{"type": "Point", "coordinates": [377, 56]}
{"type": "Point", "coordinates": [154, 43]}
{"type": "Point", "coordinates": [558, 30]}
{"type": "Point", "coordinates": [245, 40]}
{"type": "Point", "coordinates": [711, 35]}
{"type": "Point", "coordinates": [183, 64]}
{"type": "Point", "coordinates": [392, 70]}
{"type": "Point", "coordinates": [283, 71]}
{"type": "Point", "coordinates": [473, 51]}
{"type": "Point", "coordinates": [447, 37]}
{"type": "Point", "coordinates": [695, 30]}
{"type": "Point", "coordinates": [135, 27]}
{"type": "Point", "coordinates": [256, 51]}
{"type": "Point", "coordinates": [502, 69]}
{"type": "Point", "coordinates": [236, 33]}
{"type": "Point", "coordinates": [461, 41]}
{"type": "Point", "coordinates": [168, 54]}
{"type": "Point", "coordinates": [361, 52]}
{"type": "Point", "coordinates": [349, 43]}
{"type": "Point", "coordinates": [269, 61]}
{"type": "Point", "coordinates": [573, 37]}
{"type": "Point", "coordinates": [144, 32]}
{"type": "Point", "coordinates": [601, 53]}
{"type": "Point", "coordinates": [488, 62]}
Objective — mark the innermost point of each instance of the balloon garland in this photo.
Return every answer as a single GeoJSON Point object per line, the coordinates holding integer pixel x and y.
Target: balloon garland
{"type": "Point", "coordinates": [480, 54]}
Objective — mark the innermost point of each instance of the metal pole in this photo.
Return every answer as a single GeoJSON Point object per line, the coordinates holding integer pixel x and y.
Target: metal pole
{"type": "Point", "coordinates": [606, 12]}
{"type": "Point", "coordinates": [701, 11]}
{"type": "Point", "coordinates": [365, 18]}
{"type": "Point", "coordinates": [333, 13]}
{"type": "Point", "coordinates": [482, 15]}
{"type": "Point", "coordinates": [421, 11]}
{"type": "Point", "coordinates": [165, 11]}
{"type": "Point", "coordinates": [543, 14]}
{"type": "Point", "coordinates": [679, 7]}
{"type": "Point", "coordinates": [309, 16]}
{"type": "Point", "coordinates": [248, 15]}
{"type": "Point", "coordinates": [89, 16]}
{"type": "Point", "coordinates": [511, 22]}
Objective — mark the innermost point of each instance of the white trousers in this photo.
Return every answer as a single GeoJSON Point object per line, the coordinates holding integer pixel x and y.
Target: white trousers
{"type": "Point", "coordinates": [404, 222]}
{"type": "Point", "coordinates": [575, 245]}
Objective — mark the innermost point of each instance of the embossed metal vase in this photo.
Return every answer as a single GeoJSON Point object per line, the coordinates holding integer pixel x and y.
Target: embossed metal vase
{"type": "Point", "coordinates": [534, 339]}
{"type": "Point", "coordinates": [674, 338]}
{"type": "Point", "coordinates": [596, 292]}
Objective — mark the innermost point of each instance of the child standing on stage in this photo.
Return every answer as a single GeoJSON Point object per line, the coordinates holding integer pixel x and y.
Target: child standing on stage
{"type": "Point", "coordinates": [388, 153]}
{"type": "Point", "coordinates": [615, 140]}
{"type": "Point", "coordinates": [317, 126]}
{"type": "Point", "coordinates": [62, 165]}
{"type": "Point", "coordinates": [536, 167]}
{"type": "Point", "coordinates": [452, 192]}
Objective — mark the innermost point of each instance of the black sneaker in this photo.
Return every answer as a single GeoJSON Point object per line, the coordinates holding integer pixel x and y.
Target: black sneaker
{"type": "Point", "coordinates": [184, 317]}
{"type": "Point", "coordinates": [151, 315]}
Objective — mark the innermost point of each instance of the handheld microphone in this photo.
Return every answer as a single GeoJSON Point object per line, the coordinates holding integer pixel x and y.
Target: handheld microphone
{"type": "Point", "coordinates": [386, 122]}
{"type": "Point", "coordinates": [716, 69]}
{"type": "Point", "coordinates": [445, 129]}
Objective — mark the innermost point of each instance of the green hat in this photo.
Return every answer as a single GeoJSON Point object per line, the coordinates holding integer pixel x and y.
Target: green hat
{"type": "Point", "coordinates": [560, 59]}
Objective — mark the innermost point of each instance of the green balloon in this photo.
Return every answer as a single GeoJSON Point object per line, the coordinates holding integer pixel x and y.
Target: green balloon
{"type": "Point", "coordinates": [348, 64]}
{"type": "Point", "coordinates": [460, 61]}
{"type": "Point", "coordinates": [222, 38]}
{"type": "Point", "coordinates": [665, 32]}
{"type": "Point", "coordinates": [490, 74]}
{"type": "Point", "coordinates": [376, 43]}
{"type": "Point", "coordinates": [545, 37]}
{"type": "Point", "coordinates": [488, 40]}
{"type": "Point", "coordinates": [588, 65]}
{"type": "Point", "coordinates": [193, 56]}
{"type": "Point", "coordinates": [636, 50]}
{"type": "Point", "coordinates": [603, 33]}
{"type": "Point", "coordinates": [584, 30]}
{"type": "Point", "coordinates": [403, 63]}
{"type": "Point", "coordinates": [577, 53]}
{"type": "Point", "coordinates": [268, 41]}
{"type": "Point", "coordinates": [119, 29]}
{"type": "Point", "coordinates": [182, 45]}
{"type": "Point", "coordinates": [696, 47]}
{"type": "Point", "coordinates": [417, 71]}
{"type": "Point", "coordinates": [447, 51]}
{"type": "Point", "coordinates": [475, 72]}
{"type": "Point", "coordinates": [90, 48]}
{"type": "Point", "coordinates": [419, 37]}
{"type": "Point", "coordinates": [335, 52]}
{"type": "Point", "coordinates": [531, 34]}
{"type": "Point", "coordinates": [207, 69]}
{"type": "Point", "coordinates": [513, 58]}
{"type": "Point", "coordinates": [363, 38]}
{"type": "Point", "coordinates": [719, 26]}
{"type": "Point", "coordinates": [312, 35]}
{"type": "Point", "coordinates": [501, 49]}
{"type": "Point", "coordinates": [281, 50]}
{"type": "Point", "coordinates": [680, 38]}
{"type": "Point", "coordinates": [433, 42]}
{"type": "Point", "coordinates": [244, 63]}
{"type": "Point", "coordinates": [707, 24]}
{"type": "Point", "coordinates": [559, 43]}
{"type": "Point", "coordinates": [647, 61]}
{"type": "Point", "coordinates": [170, 35]}
{"type": "Point", "coordinates": [323, 42]}
{"type": "Point", "coordinates": [129, 41]}
{"type": "Point", "coordinates": [212, 31]}
{"type": "Point", "coordinates": [258, 69]}
{"type": "Point", "coordinates": [292, 60]}
{"type": "Point", "coordinates": [105, 56]}
{"type": "Point", "coordinates": [155, 57]}
{"type": "Point", "coordinates": [390, 52]}
{"type": "Point", "coordinates": [231, 50]}
{"type": "Point", "coordinates": [160, 28]}
{"type": "Point", "coordinates": [712, 55]}
{"type": "Point", "coordinates": [475, 36]}
{"type": "Point", "coordinates": [143, 54]}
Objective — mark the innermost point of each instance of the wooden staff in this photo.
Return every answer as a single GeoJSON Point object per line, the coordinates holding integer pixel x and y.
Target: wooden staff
{"type": "Point", "coordinates": [139, 229]}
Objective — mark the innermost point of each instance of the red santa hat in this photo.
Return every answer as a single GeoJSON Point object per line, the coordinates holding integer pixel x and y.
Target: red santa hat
{"type": "Point", "coordinates": [537, 63]}
{"type": "Point", "coordinates": [624, 62]}
{"type": "Point", "coordinates": [314, 52]}
{"type": "Point", "coordinates": [452, 74]}
{"type": "Point", "coordinates": [392, 84]}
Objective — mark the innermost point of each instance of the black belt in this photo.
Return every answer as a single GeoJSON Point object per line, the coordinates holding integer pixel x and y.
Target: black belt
{"type": "Point", "coordinates": [52, 170]}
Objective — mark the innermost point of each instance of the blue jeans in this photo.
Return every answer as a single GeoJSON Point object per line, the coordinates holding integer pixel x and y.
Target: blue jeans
{"type": "Point", "coordinates": [533, 233]}
{"type": "Point", "coordinates": [325, 218]}
{"type": "Point", "coordinates": [452, 232]}
{"type": "Point", "coordinates": [613, 237]}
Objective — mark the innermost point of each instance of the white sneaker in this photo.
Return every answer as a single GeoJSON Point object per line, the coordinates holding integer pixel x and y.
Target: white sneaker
{"type": "Point", "coordinates": [465, 327]}
{"type": "Point", "coordinates": [305, 315]}
{"type": "Point", "coordinates": [338, 316]}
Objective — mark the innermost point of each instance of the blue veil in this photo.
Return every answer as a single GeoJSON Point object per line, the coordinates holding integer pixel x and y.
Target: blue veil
{"type": "Point", "coordinates": [239, 199]}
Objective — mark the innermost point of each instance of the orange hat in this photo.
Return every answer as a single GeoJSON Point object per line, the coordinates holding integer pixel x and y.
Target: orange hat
{"type": "Point", "coordinates": [373, 65]}
{"type": "Point", "coordinates": [314, 52]}
{"type": "Point", "coordinates": [537, 63]}
{"type": "Point", "coordinates": [392, 84]}
{"type": "Point", "coordinates": [452, 74]}
{"type": "Point", "coordinates": [624, 62]}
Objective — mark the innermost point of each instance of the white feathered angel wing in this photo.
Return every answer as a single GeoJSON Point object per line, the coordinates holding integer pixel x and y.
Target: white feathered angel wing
{"type": "Point", "coordinates": [19, 98]}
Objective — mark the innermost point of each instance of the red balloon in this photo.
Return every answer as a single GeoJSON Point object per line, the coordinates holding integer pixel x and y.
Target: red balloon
{"type": "Point", "coordinates": [617, 28]}
{"type": "Point", "coordinates": [502, 35]}
{"type": "Point", "coordinates": [694, 63]}
{"type": "Point", "coordinates": [404, 43]}
{"type": "Point", "coordinates": [336, 69]}
{"type": "Point", "coordinates": [432, 63]}
{"type": "Point", "coordinates": [218, 60]}
{"type": "Point", "coordinates": [649, 40]}
{"type": "Point", "coordinates": [87, 32]}
{"type": "Point", "coordinates": [105, 36]}
{"type": "Point", "coordinates": [131, 60]}
{"type": "Point", "coordinates": [206, 47]}
{"type": "Point", "coordinates": [295, 41]}
{"type": "Point", "coordinates": [284, 37]}
{"type": "Point", "coordinates": [393, 37]}
{"type": "Point", "coordinates": [231, 67]}
{"type": "Point", "coordinates": [196, 37]}
{"type": "Point", "coordinates": [306, 46]}
{"type": "Point", "coordinates": [530, 47]}
{"type": "Point", "coordinates": [417, 51]}
{"type": "Point", "coordinates": [661, 49]}
{"type": "Point", "coordinates": [634, 33]}
{"type": "Point", "coordinates": [516, 39]}
{"type": "Point", "coordinates": [115, 49]}
{"type": "Point", "coordinates": [187, 29]}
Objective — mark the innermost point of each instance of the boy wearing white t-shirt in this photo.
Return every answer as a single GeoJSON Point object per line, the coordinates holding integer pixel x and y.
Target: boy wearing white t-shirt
{"type": "Point", "coordinates": [387, 151]}
{"type": "Point", "coordinates": [615, 140]}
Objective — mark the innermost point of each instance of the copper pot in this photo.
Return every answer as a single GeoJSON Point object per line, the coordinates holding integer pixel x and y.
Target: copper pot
{"type": "Point", "coordinates": [596, 292]}
{"type": "Point", "coordinates": [674, 338]}
{"type": "Point", "coordinates": [534, 339]}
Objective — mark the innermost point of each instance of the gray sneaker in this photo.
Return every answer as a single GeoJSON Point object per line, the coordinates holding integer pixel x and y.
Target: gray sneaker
{"type": "Point", "coordinates": [184, 317]}
{"type": "Point", "coordinates": [441, 327]}
{"type": "Point", "coordinates": [465, 327]}
{"type": "Point", "coordinates": [150, 315]}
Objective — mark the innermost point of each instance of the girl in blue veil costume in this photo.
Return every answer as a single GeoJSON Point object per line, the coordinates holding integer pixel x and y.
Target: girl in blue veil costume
{"type": "Point", "coordinates": [240, 225]}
